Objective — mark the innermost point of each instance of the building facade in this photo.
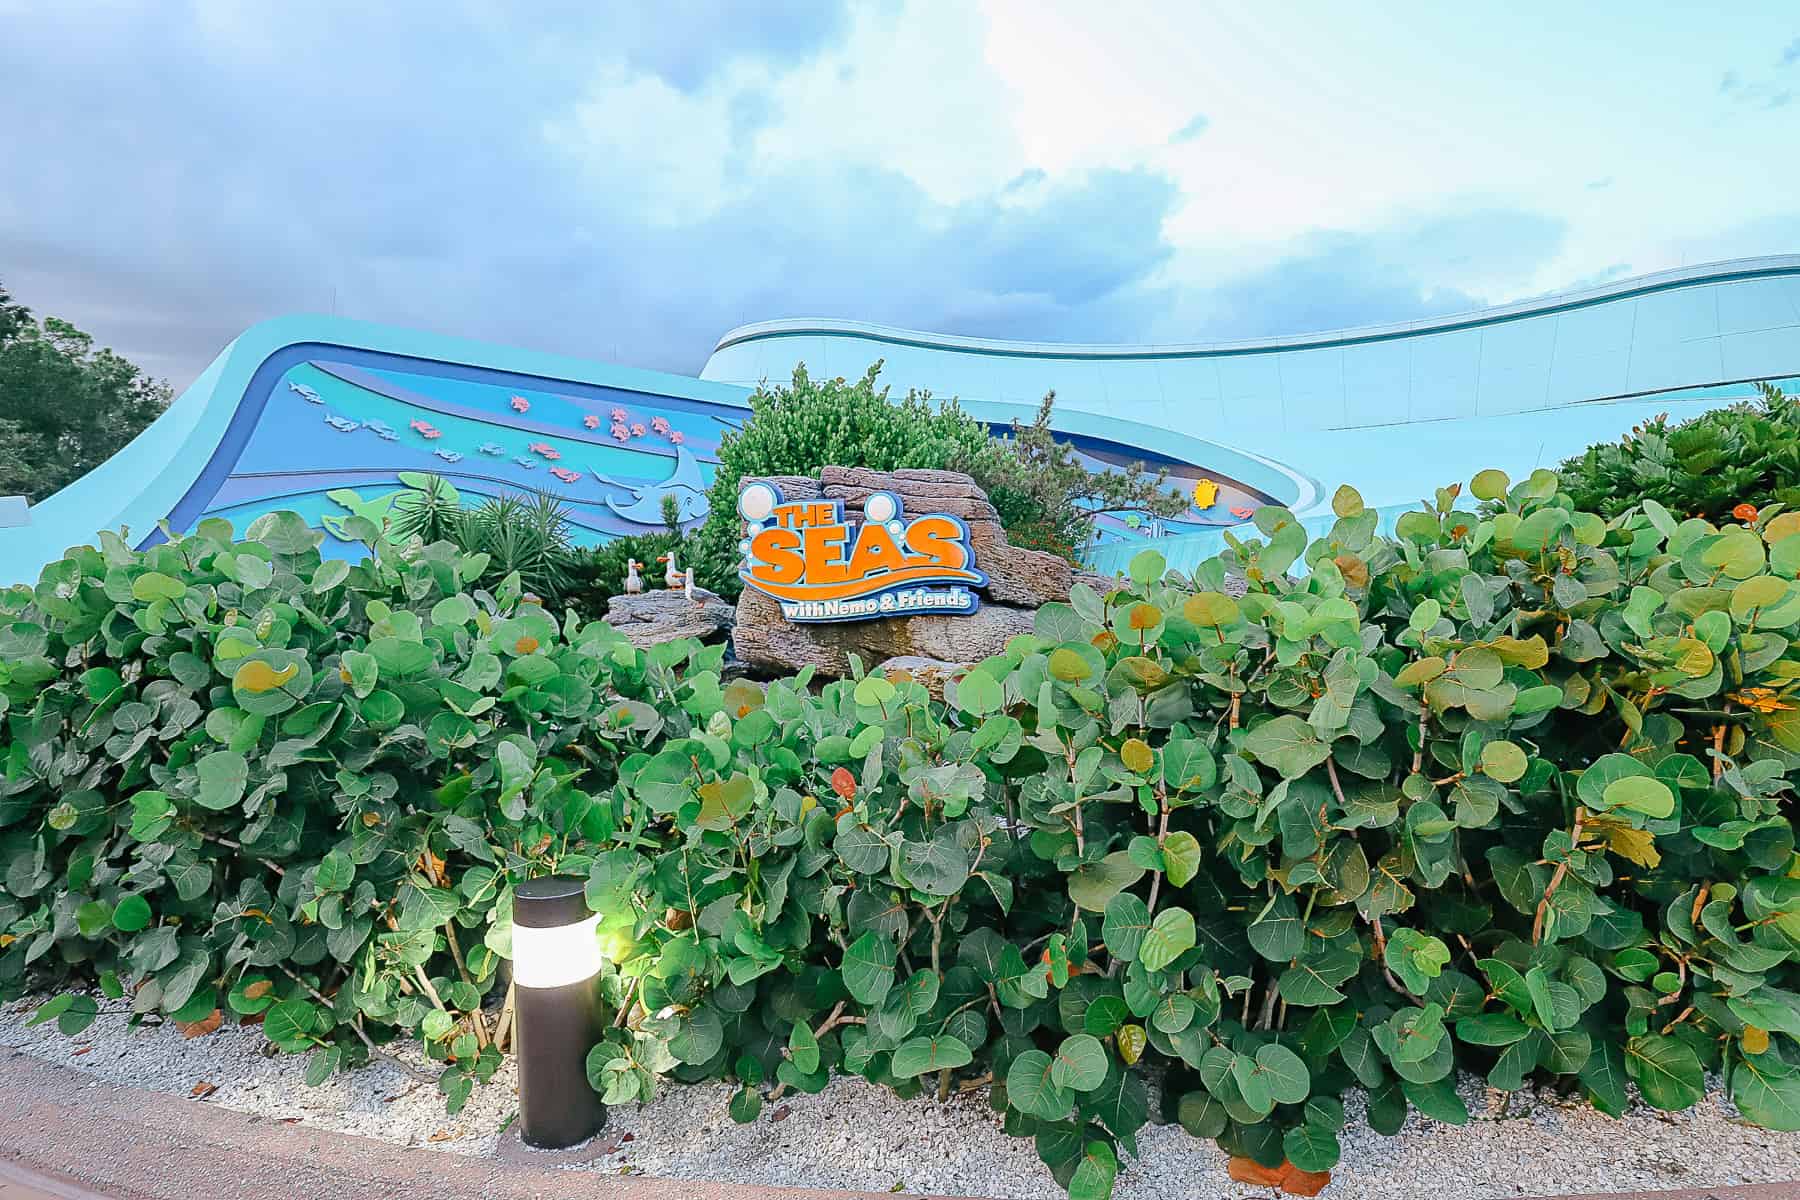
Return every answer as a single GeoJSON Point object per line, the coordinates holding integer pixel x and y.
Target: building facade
{"type": "Point", "coordinates": [330, 417]}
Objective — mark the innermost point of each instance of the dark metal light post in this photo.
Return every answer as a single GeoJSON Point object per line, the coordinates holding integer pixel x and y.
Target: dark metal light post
{"type": "Point", "coordinates": [556, 1001]}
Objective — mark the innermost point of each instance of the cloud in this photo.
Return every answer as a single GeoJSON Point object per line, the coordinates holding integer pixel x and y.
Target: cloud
{"type": "Point", "coordinates": [1338, 280]}
{"type": "Point", "coordinates": [536, 184]}
{"type": "Point", "coordinates": [628, 183]}
{"type": "Point", "coordinates": [1764, 94]}
{"type": "Point", "coordinates": [1191, 130]}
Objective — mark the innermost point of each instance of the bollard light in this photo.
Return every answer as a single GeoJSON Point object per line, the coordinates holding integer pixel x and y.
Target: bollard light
{"type": "Point", "coordinates": [556, 1011]}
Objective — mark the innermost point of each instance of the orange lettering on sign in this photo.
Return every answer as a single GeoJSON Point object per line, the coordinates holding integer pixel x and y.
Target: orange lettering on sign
{"type": "Point", "coordinates": [806, 551]}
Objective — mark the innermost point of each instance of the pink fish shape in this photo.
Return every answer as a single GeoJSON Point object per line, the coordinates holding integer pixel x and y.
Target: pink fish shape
{"type": "Point", "coordinates": [538, 447]}
{"type": "Point", "coordinates": [677, 437]}
{"type": "Point", "coordinates": [550, 454]}
{"type": "Point", "coordinates": [564, 474]}
{"type": "Point", "coordinates": [637, 429]}
{"type": "Point", "coordinates": [592, 421]}
{"type": "Point", "coordinates": [618, 414]}
{"type": "Point", "coordinates": [520, 404]}
{"type": "Point", "coordinates": [620, 433]}
{"type": "Point", "coordinates": [659, 425]}
{"type": "Point", "coordinates": [1242, 514]}
{"type": "Point", "coordinates": [425, 428]}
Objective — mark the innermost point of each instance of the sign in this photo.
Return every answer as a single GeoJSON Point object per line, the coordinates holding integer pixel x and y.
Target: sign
{"type": "Point", "coordinates": [806, 555]}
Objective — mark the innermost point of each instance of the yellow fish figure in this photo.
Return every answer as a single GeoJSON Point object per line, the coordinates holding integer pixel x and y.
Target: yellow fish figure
{"type": "Point", "coordinates": [1206, 493]}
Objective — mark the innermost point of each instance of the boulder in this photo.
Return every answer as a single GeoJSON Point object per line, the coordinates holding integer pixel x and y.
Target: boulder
{"type": "Point", "coordinates": [766, 640]}
{"type": "Point", "coordinates": [664, 614]}
{"type": "Point", "coordinates": [934, 646]}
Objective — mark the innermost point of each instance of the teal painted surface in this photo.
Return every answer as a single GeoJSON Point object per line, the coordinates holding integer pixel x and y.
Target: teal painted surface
{"type": "Point", "coordinates": [1396, 410]}
{"type": "Point", "coordinates": [146, 480]}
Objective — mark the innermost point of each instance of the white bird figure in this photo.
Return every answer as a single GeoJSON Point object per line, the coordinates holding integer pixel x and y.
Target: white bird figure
{"type": "Point", "coordinates": [672, 576]}
{"type": "Point", "coordinates": [688, 576]}
{"type": "Point", "coordinates": [634, 582]}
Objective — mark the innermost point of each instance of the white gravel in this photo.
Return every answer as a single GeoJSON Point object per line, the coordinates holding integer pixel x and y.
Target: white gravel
{"type": "Point", "coordinates": [858, 1136]}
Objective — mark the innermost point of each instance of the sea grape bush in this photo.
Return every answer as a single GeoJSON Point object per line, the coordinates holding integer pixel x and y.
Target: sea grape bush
{"type": "Point", "coordinates": [1506, 793]}
{"type": "Point", "coordinates": [240, 776]}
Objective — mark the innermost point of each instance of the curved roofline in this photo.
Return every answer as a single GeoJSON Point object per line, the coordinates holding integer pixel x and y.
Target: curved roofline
{"type": "Point", "coordinates": [1728, 271]}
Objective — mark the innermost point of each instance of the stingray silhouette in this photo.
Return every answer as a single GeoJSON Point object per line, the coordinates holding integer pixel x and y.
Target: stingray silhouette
{"type": "Point", "coordinates": [645, 507]}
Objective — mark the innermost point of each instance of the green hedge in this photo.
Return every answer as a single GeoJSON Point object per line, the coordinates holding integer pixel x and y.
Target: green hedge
{"type": "Point", "coordinates": [1506, 794]}
{"type": "Point", "coordinates": [1743, 454]}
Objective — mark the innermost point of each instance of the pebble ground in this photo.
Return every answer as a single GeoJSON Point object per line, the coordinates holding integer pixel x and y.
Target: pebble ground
{"type": "Point", "coordinates": [857, 1136]}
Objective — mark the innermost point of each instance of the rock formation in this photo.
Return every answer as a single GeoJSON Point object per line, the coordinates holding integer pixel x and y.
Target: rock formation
{"type": "Point", "coordinates": [662, 615]}
{"type": "Point", "coordinates": [1019, 581]}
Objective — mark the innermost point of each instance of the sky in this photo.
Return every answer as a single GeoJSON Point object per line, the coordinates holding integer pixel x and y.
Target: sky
{"type": "Point", "coordinates": [627, 182]}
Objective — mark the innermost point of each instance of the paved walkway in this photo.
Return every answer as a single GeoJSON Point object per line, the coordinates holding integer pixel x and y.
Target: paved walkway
{"type": "Point", "coordinates": [69, 1136]}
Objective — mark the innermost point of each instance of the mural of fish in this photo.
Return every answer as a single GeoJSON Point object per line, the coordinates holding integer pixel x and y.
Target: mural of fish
{"type": "Point", "coordinates": [659, 426]}
{"type": "Point", "coordinates": [425, 429]}
{"type": "Point", "coordinates": [564, 474]}
{"type": "Point", "coordinates": [591, 421]}
{"type": "Point", "coordinates": [492, 449]}
{"type": "Point", "coordinates": [343, 424]}
{"type": "Point", "coordinates": [448, 455]}
{"type": "Point", "coordinates": [520, 404]}
{"type": "Point", "coordinates": [618, 415]}
{"type": "Point", "coordinates": [530, 464]}
{"type": "Point", "coordinates": [306, 393]}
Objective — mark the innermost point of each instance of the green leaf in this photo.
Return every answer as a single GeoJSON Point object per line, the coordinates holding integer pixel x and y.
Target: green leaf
{"type": "Point", "coordinates": [1650, 797]}
{"type": "Point", "coordinates": [1094, 1172]}
{"type": "Point", "coordinates": [1170, 936]}
{"type": "Point", "coordinates": [1181, 857]}
{"type": "Point", "coordinates": [803, 1048]}
{"type": "Point", "coordinates": [1288, 1079]}
{"type": "Point", "coordinates": [131, 914]}
{"type": "Point", "coordinates": [1767, 1091]}
{"type": "Point", "coordinates": [291, 1024]}
{"type": "Point", "coordinates": [1029, 1087]}
{"type": "Point", "coordinates": [223, 777]}
{"type": "Point", "coordinates": [1093, 886]}
{"type": "Point", "coordinates": [72, 1012]}
{"type": "Point", "coordinates": [154, 585]}
{"type": "Point", "coordinates": [746, 1105]}
{"type": "Point", "coordinates": [1416, 958]}
{"type": "Point", "coordinates": [979, 693]}
{"type": "Point", "coordinates": [1080, 1063]}
{"type": "Point", "coordinates": [1311, 1148]}
{"type": "Point", "coordinates": [1503, 762]}
{"type": "Point", "coordinates": [1666, 1071]}
{"type": "Point", "coordinates": [869, 968]}
{"type": "Point", "coordinates": [1288, 744]}
{"type": "Point", "coordinates": [1126, 923]}
{"type": "Point", "coordinates": [929, 1054]}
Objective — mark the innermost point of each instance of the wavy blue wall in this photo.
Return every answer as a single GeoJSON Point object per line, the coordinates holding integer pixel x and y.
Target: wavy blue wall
{"type": "Point", "coordinates": [1396, 410]}
{"type": "Point", "coordinates": [329, 417]}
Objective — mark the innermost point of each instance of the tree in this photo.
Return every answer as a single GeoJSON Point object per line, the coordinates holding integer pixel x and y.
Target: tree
{"type": "Point", "coordinates": [65, 407]}
{"type": "Point", "coordinates": [1046, 497]}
